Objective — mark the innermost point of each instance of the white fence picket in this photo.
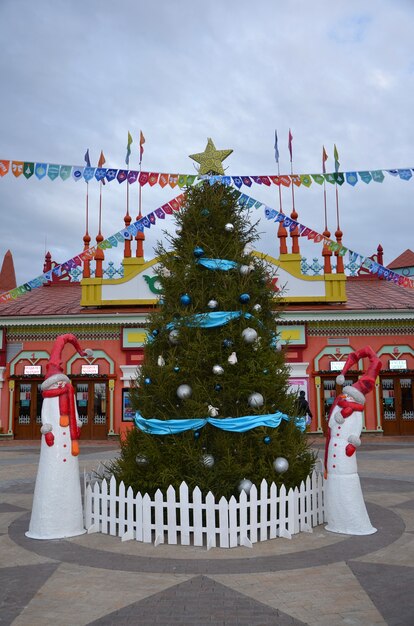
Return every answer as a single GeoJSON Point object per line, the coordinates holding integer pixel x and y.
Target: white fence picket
{"type": "Point", "coordinates": [189, 520]}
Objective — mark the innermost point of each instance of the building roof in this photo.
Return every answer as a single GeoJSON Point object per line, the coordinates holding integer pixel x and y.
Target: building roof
{"type": "Point", "coordinates": [406, 259]}
{"type": "Point", "coordinates": [365, 294]}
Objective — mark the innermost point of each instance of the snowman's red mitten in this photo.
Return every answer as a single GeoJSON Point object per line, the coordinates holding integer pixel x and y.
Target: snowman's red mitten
{"type": "Point", "coordinates": [50, 438]}
{"type": "Point", "coordinates": [350, 449]}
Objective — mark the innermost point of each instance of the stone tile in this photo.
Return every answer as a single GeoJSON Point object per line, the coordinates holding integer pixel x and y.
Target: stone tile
{"type": "Point", "coordinates": [390, 588]}
{"type": "Point", "coordinates": [199, 602]}
{"type": "Point", "coordinates": [11, 554]}
{"type": "Point", "coordinates": [76, 596]}
{"type": "Point", "coordinates": [309, 595]}
{"type": "Point", "coordinates": [401, 552]}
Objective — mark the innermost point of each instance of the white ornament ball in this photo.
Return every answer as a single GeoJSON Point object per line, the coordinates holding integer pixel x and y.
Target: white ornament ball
{"type": "Point", "coordinates": [207, 460]}
{"type": "Point", "coordinates": [161, 361]}
{"type": "Point", "coordinates": [257, 308]}
{"type": "Point", "coordinates": [245, 485]}
{"type": "Point", "coordinates": [244, 270]}
{"type": "Point", "coordinates": [140, 459]}
{"type": "Point", "coordinates": [178, 230]}
{"type": "Point", "coordinates": [229, 228]}
{"type": "Point", "coordinates": [249, 335]}
{"type": "Point", "coordinates": [212, 304]}
{"type": "Point", "coordinates": [218, 370]}
{"type": "Point", "coordinates": [184, 392]}
{"type": "Point", "coordinates": [232, 358]}
{"type": "Point", "coordinates": [173, 337]}
{"type": "Point", "coordinates": [281, 465]}
{"type": "Point", "coordinates": [255, 400]}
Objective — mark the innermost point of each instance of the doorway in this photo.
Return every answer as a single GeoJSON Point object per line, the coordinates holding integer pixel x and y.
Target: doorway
{"type": "Point", "coordinates": [397, 405]}
{"type": "Point", "coordinates": [27, 409]}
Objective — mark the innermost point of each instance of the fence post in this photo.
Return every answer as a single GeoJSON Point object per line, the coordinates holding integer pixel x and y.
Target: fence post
{"type": "Point", "coordinates": [184, 515]}
{"type": "Point", "coordinates": [210, 521]}
{"type": "Point", "coordinates": [131, 519]}
{"type": "Point", "coordinates": [198, 517]}
{"type": "Point", "coordinates": [273, 511]}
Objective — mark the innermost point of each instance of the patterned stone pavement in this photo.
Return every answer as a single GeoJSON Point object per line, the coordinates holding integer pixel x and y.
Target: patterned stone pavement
{"type": "Point", "coordinates": [319, 578]}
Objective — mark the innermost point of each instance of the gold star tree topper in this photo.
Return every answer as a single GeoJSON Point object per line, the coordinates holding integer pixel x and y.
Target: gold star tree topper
{"type": "Point", "coordinates": [211, 159]}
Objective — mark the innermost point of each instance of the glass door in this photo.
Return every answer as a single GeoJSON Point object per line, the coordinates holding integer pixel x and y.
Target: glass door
{"type": "Point", "coordinates": [27, 410]}
{"type": "Point", "coordinates": [91, 404]}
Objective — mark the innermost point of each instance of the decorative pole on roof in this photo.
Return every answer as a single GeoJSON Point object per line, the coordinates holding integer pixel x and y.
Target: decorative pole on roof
{"type": "Point", "coordinates": [86, 237]}
{"type": "Point", "coordinates": [127, 218]}
{"type": "Point", "coordinates": [295, 233]}
{"type": "Point", "coordinates": [326, 252]}
{"type": "Point", "coordinates": [99, 254]}
{"type": "Point", "coordinates": [338, 232]}
{"type": "Point", "coordinates": [281, 231]}
{"type": "Point", "coordinates": [140, 237]}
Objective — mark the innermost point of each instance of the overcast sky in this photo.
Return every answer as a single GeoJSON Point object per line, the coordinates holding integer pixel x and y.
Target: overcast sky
{"type": "Point", "coordinates": [78, 75]}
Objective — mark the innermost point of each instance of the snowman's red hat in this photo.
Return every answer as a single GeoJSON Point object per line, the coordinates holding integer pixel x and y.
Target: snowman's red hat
{"type": "Point", "coordinates": [54, 369]}
{"type": "Point", "coordinates": [366, 383]}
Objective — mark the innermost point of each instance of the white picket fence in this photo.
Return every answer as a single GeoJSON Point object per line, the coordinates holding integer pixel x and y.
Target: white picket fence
{"type": "Point", "coordinates": [264, 514]}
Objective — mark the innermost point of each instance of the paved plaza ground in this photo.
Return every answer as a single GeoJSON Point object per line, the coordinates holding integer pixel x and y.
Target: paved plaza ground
{"type": "Point", "coordinates": [319, 578]}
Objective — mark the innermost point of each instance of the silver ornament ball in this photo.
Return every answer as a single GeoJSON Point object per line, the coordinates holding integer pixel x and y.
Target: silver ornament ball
{"type": "Point", "coordinates": [184, 392]}
{"type": "Point", "coordinates": [218, 370]}
{"type": "Point", "coordinates": [207, 460]}
{"type": "Point", "coordinates": [173, 337]}
{"type": "Point", "coordinates": [140, 459]}
{"type": "Point", "coordinates": [212, 304]}
{"type": "Point", "coordinates": [281, 465]}
{"type": "Point", "coordinates": [245, 485]}
{"type": "Point", "coordinates": [244, 270]}
{"type": "Point", "coordinates": [257, 308]}
{"type": "Point", "coordinates": [249, 335]}
{"type": "Point", "coordinates": [255, 400]}
{"type": "Point", "coordinates": [229, 228]}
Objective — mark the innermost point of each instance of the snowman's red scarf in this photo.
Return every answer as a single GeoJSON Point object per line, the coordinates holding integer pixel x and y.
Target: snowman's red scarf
{"type": "Point", "coordinates": [66, 406]}
{"type": "Point", "coordinates": [348, 408]}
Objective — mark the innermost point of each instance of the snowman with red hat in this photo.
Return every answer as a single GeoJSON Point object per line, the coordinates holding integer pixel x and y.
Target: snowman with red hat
{"type": "Point", "coordinates": [344, 503]}
{"type": "Point", "coordinates": [57, 503]}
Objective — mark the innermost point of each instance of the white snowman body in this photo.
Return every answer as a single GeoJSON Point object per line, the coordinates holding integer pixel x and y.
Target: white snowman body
{"type": "Point", "coordinates": [344, 503]}
{"type": "Point", "coordinates": [57, 503]}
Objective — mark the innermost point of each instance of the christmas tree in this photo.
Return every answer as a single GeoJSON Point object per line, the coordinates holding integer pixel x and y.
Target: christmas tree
{"type": "Point", "coordinates": [213, 353]}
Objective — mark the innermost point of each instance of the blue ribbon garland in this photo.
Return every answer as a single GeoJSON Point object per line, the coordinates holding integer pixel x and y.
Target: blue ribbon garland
{"type": "Point", "coordinates": [231, 424]}
{"type": "Point", "coordinates": [217, 264]}
{"type": "Point", "coordinates": [211, 320]}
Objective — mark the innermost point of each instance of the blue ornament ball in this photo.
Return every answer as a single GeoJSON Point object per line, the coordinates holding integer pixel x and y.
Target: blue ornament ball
{"type": "Point", "coordinates": [218, 387]}
{"type": "Point", "coordinates": [198, 252]}
{"type": "Point", "coordinates": [176, 369]}
{"type": "Point", "coordinates": [205, 212]}
{"type": "Point", "coordinates": [244, 298]}
{"type": "Point", "coordinates": [227, 343]}
{"type": "Point", "coordinates": [197, 434]}
{"type": "Point", "coordinates": [185, 299]}
{"type": "Point", "coordinates": [265, 371]}
{"type": "Point", "coordinates": [160, 301]}
{"type": "Point", "coordinates": [267, 439]}
{"type": "Point", "coordinates": [148, 381]}
{"type": "Point", "coordinates": [155, 332]}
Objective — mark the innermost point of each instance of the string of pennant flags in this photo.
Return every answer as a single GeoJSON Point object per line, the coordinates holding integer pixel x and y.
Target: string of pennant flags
{"type": "Point", "coordinates": [53, 171]}
{"type": "Point", "coordinates": [175, 205]}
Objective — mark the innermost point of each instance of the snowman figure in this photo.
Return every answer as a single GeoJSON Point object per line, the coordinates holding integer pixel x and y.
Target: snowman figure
{"type": "Point", "coordinates": [57, 503]}
{"type": "Point", "coordinates": [344, 503]}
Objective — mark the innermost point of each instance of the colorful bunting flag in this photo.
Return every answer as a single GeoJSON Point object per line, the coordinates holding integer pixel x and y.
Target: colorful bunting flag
{"type": "Point", "coordinates": [17, 168]}
{"type": "Point", "coordinates": [318, 178]}
{"type": "Point", "coordinates": [4, 167]}
{"type": "Point", "coordinates": [365, 176]}
{"type": "Point", "coordinates": [40, 170]}
{"type": "Point", "coordinates": [65, 171]}
{"type": "Point", "coordinates": [128, 152]}
{"type": "Point", "coordinates": [141, 146]}
{"type": "Point", "coordinates": [77, 173]}
{"type": "Point", "coordinates": [53, 171]}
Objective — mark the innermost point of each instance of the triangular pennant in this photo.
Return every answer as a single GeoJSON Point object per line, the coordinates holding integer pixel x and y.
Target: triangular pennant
{"type": "Point", "coordinates": [132, 176]}
{"type": "Point", "coordinates": [64, 171]}
{"type": "Point", "coordinates": [88, 173]}
{"type": "Point", "coordinates": [111, 175]}
{"type": "Point", "coordinates": [53, 171]}
{"type": "Point", "coordinates": [275, 179]}
{"type": "Point", "coordinates": [40, 170]}
{"type": "Point", "coordinates": [405, 174]}
{"type": "Point", "coordinates": [191, 179]}
{"type": "Point", "coordinates": [306, 180]}
{"type": "Point", "coordinates": [365, 177]}
{"type": "Point", "coordinates": [173, 180]}
{"type": "Point", "coordinates": [318, 178]}
{"type": "Point", "coordinates": [339, 178]}
{"type": "Point", "coordinates": [351, 178]}
{"type": "Point", "coordinates": [393, 172]}
{"type": "Point", "coordinates": [182, 180]}
{"type": "Point", "coordinates": [146, 222]}
{"type": "Point", "coordinates": [100, 173]}
{"type": "Point", "coordinates": [256, 179]}
{"type": "Point", "coordinates": [160, 213]}
{"type": "Point", "coordinates": [77, 173]}
{"type": "Point", "coordinates": [237, 181]}
{"type": "Point", "coordinates": [163, 180]}
{"type": "Point", "coordinates": [28, 170]}
{"type": "Point", "coordinates": [153, 178]}
{"type": "Point", "coordinates": [330, 178]}
{"type": "Point", "coordinates": [167, 209]}
{"type": "Point", "coordinates": [285, 180]}
{"type": "Point", "coordinates": [121, 176]}
{"type": "Point", "coordinates": [377, 176]}
{"type": "Point", "coordinates": [143, 178]}
{"type": "Point", "coordinates": [296, 180]}
{"type": "Point", "coordinates": [226, 180]}
{"type": "Point", "coordinates": [265, 180]}
{"type": "Point", "coordinates": [17, 168]}
{"type": "Point", "coordinates": [175, 204]}
{"type": "Point", "coordinates": [246, 181]}
{"type": "Point", "coordinates": [4, 167]}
